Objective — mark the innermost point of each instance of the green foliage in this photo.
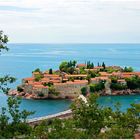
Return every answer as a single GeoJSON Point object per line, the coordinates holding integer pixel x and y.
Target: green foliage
{"type": "Point", "coordinates": [53, 91]}
{"type": "Point", "coordinates": [37, 70]}
{"type": "Point", "coordinates": [50, 71]}
{"type": "Point", "coordinates": [4, 82]}
{"type": "Point", "coordinates": [71, 79]}
{"type": "Point", "coordinates": [68, 67]}
{"type": "Point", "coordinates": [40, 95]}
{"type": "Point", "coordinates": [118, 86]}
{"type": "Point", "coordinates": [49, 84]}
{"type": "Point", "coordinates": [133, 82]}
{"type": "Point", "coordinates": [17, 125]}
{"type": "Point", "coordinates": [82, 71]}
{"type": "Point", "coordinates": [88, 78]}
{"type": "Point", "coordinates": [20, 89]}
{"type": "Point", "coordinates": [128, 69]}
{"type": "Point", "coordinates": [103, 65]}
{"type": "Point", "coordinates": [93, 74]}
{"type": "Point", "coordinates": [97, 87]}
{"type": "Point", "coordinates": [87, 122]}
{"type": "Point", "coordinates": [38, 77]}
{"type": "Point", "coordinates": [3, 41]}
{"type": "Point", "coordinates": [114, 79]}
{"type": "Point", "coordinates": [84, 91]}
{"type": "Point", "coordinates": [90, 65]}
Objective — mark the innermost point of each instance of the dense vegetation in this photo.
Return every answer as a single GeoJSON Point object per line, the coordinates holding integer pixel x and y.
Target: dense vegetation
{"type": "Point", "coordinates": [128, 69]}
{"type": "Point", "coordinates": [133, 82]}
{"type": "Point", "coordinates": [97, 87]}
{"type": "Point", "coordinates": [68, 67]}
{"type": "Point", "coordinates": [89, 121]}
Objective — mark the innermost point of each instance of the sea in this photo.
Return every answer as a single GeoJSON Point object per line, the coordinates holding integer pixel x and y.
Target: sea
{"type": "Point", "coordinates": [22, 59]}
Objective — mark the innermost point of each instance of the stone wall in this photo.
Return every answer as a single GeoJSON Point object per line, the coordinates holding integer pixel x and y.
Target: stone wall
{"type": "Point", "coordinates": [69, 90]}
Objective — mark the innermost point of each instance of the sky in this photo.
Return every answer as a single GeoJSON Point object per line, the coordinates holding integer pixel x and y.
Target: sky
{"type": "Point", "coordinates": [71, 21]}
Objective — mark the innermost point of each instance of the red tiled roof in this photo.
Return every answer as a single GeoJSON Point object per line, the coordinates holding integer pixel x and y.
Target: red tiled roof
{"type": "Point", "coordinates": [36, 72]}
{"type": "Point", "coordinates": [40, 86]}
{"type": "Point", "coordinates": [78, 75]}
{"type": "Point", "coordinates": [81, 65]}
{"type": "Point", "coordinates": [29, 79]}
{"type": "Point", "coordinates": [121, 80]}
{"type": "Point", "coordinates": [51, 75]}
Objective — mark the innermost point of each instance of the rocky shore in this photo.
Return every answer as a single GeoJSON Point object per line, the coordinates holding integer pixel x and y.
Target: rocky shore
{"type": "Point", "coordinates": [122, 92]}
{"type": "Point", "coordinates": [14, 92]}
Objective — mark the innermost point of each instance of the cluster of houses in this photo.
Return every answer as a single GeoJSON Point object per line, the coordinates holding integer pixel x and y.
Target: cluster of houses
{"type": "Point", "coordinates": [63, 86]}
{"type": "Point", "coordinates": [61, 83]}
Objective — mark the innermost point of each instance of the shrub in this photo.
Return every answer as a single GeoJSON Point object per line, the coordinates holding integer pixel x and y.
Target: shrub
{"type": "Point", "coordinates": [118, 86]}
{"type": "Point", "coordinates": [38, 77]}
{"type": "Point", "coordinates": [41, 95]}
{"type": "Point", "coordinates": [20, 89]}
{"type": "Point", "coordinates": [97, 87]}
{"type": "Point", "coordinates": [84, 91]}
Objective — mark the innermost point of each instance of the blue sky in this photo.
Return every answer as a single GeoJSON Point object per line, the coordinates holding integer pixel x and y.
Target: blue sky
{"type": "Point", "coordinates": [71, 21]}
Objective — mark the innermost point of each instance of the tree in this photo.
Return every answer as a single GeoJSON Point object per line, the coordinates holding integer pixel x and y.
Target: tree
{"type": "Point", "coordinates": [16, 126]}
{"type": "Point", "coordinates": [68, 67]}
{"type": "Point", "coordinates": [103, 65]}
{"type": "Point", "coordinates": [128, 69]}
{"type": "Point", "coordinates": [4, 81]}
{"type": "Point", "coordinates": [37, 70]}
{"type": "Point", "coordinates": [84, 91]}
{"type": "Point", "coordinates": [38, 77]}
{"type": "Point", "coordinates": [50, 71]}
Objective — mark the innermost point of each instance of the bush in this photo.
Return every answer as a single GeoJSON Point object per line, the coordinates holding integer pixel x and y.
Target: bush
{"type": "Point", "coordinates": [133, 82]}
{"type": "Point", "coordinates": [84, 91]}
{"type": "Point", "coordinates": [128, 69]}
{"type": "Point", "coordinates": [50, 71]}
{"type": "Point", "coordinates": [38, 77]}
{"type": "Point", "coordinates": [37, 70]}
{"type": "Point", "coordinates": [41, 95]}
{"type": "Point", "coordinates": [20, 89]}
{"type": "Point", "coordinates": [97, 87]}
{"type": "Point", "coordinates": [118, 86]}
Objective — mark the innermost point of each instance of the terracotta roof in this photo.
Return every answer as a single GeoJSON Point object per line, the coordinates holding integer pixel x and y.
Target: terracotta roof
{"type": "Point", "coordinates": [98, 67]}
{"type": "Point", "coordinates": [40, 86]}
{"type": "Point", "coordinates": [81, 65]}
{"type": "Point", "coordinates": [29, 79]}
{"type": "Point", "coordinates": [78, 75]}
{"type": "Point", "coordinates": [51, 75]}
{"type": "Point", "coordinates": [121, 80]}
{"type": "Point", "coordinates": [36, 72]}
{"type": "Point", "coordinates": [45, 79]}
{"type": "Point", "coordinates": [99, 78]}
{"type": "Point", "coordinates": [105, 73]}
{"type": "Point", "coordinates": [129, 73]}
{"type": "Point", "coordinates": [55, 81]}
{"type": "Point", "coordinates": [103, 78]}
{"type": "Point", "coordinates": [75, 82]}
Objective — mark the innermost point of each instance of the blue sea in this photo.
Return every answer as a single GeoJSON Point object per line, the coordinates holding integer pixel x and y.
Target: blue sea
{"type": "Point", "coordinates": [22, 59]}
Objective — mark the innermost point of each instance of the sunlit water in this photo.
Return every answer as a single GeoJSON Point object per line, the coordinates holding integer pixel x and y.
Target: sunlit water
{"type": "Point", "coordinates": [22, 59]}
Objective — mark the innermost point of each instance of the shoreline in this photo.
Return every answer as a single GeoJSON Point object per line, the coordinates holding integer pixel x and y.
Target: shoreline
{"type": "Point", "coordinates": [61, 115]}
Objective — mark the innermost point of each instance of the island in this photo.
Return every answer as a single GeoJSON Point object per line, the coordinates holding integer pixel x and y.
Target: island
{"type": "Point", "coordinates": [73, 79]}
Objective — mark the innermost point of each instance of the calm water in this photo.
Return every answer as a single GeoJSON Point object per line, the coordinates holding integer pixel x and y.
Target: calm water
{"type": "Point", "coordinates": [22, 59]}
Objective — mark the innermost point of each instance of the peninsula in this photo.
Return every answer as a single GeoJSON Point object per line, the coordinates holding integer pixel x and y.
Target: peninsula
{"type": "Point", "coordinates": [73, 79]}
